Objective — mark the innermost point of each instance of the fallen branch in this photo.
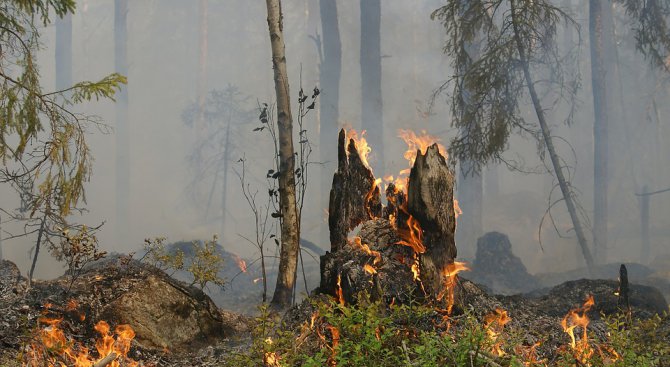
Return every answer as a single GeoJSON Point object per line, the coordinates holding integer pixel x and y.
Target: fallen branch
{"type": "Point", "coordinates": [107, 360]}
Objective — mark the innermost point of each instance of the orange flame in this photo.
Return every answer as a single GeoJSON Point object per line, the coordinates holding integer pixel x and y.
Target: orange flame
{"type": "Point", "coordinates": [369, 269]}
{"type": "Point", "coordinates": [356, 243]}
{"type": "Point", "coordinates": [240, 263]}
{"type": "Point", "coordinates": [340, 296]}
{"type": "Point", "coordinates": [577, 318]}
{"type": "Point", "coordinates": [67, 352]}
{"type": "Point", "coordinates": [450, 274]}
{"type": "Point", "coordinates": [494, 324]}
{"type": "Point", "coordinates": [419, 143]}
{"type": "Point", "coordinates": [413, 237]}
{"type": "Point", "coordinates": [335, 332]}
{"type": "Point", "coordinates": [361, 145]}
{"type": "Point", "coordinates": [529, 355]}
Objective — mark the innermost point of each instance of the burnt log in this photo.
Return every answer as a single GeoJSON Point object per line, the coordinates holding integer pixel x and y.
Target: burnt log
{"type": "Point", "coordinates": [354, 197]}
{"type": "Point", "coordinates": [430, 197]}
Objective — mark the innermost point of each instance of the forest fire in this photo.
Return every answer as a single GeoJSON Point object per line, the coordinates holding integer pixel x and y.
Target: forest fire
{"type": "Point", "coordinates": [450, 274]}
{"type": "Point", "coordinates": [52, 347]}
{"type": "Point", "coordinates": [361, 145]}
{"type": "Point", "coordinates": [577, 318]}
{"type": "Point", "coordinates": [494, 324]}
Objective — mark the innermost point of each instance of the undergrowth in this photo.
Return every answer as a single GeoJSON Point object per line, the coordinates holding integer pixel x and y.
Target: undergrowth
{"type": "Point", "coordinates": [376, 335]}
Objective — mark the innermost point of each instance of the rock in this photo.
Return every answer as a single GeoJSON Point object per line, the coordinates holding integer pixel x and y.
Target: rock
{"type": "Point", "coordinates": [497, 268]}
{"type": "Point", "coordinates": [165, 313]}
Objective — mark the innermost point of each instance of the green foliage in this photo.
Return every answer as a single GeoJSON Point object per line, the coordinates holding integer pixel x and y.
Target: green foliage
{"type": "Point", "coordinates": [488, 87]}
{"type": "Point", "coordinates": [204, 263]}
{"type": "Point", "coordinates": [42, 143]}
{"type": "Point", "coordinates": [156, 255]}
{"type": "Point", "coordinates": [373, 334]}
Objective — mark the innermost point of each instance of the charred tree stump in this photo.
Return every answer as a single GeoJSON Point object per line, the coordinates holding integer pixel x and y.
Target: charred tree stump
{"type": "Point", "coordinates": [430, 198]}
{"type": "Point", "coordinates": [402, 251]}
{"type": "Point", "coordinates": [354, 197]}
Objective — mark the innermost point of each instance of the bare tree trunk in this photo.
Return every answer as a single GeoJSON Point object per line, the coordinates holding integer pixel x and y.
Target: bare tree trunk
{"type": "Point", "coordinates": [371, 80]}
{"type": "Point", "coordinates": [600, 138]}
{"type": "Point", "coordinates": [122, 133]}
{"type": "Point", "coordinates": [546, 134]}
{"type": "Point", "coordinates": [329, 81]}
{"type": "Point", "coordinates": [290, 235]}
{"type": "Point", "coordinates": [201, 82]}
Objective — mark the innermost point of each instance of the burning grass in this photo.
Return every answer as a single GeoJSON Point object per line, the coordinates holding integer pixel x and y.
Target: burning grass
{"type": "Point", "coordinates": [375, 334]}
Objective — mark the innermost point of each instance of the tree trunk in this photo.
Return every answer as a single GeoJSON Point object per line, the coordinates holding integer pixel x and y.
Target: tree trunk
{"type": "Point", "coordinates": [371, 80]}
{"type": "Point", "coordinates": [64, 52]}
{"type": "Point", "coordinates": [290, 235]}
{"type": "Point", "coordinates": [600, 161]}
{"type": "Point", "coordinates": [546, 135]}
{"type": "Point", "coordinates": [201, 89]}
{"type": "Point", "coordinates": [122, 133]}
{"type": "Point", "coordinates": [329, 81]}
{"type": "Point", "coordinates": [224, 184]}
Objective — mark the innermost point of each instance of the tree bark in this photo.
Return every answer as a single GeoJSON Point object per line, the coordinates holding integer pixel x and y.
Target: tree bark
{"type": "Point", "coordinates": [121, 129]}
{"type": "Point", "coordinates": [329, 81]}
{"type": "Point", "coordinates": [600, 139]}
{"type": "Point", "coordinates": [371, 80]}
{"type": "Point", "coordinates": [290, 235]}
{"type": "Point", "coordinates": [546, 135]}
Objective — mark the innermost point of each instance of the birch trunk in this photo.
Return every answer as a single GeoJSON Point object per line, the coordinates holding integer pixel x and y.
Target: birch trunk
{"type": "Point", "coordinates": [288, 260]}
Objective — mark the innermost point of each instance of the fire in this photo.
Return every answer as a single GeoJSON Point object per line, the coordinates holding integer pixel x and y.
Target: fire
{"type": "Point", "coordinates": [577, 318]}
{"type": "Point", "coordinates": [494, 324]}
{"type": "Point", "coordinates": [356, 243]}
{"type": "Point", "coordinates": [450, 274]}
{"type": "Point", "coordinates": [361, 145]}
{"type": "Point", "coordinates": [240, 263]}
{"type": "Point", "coordinates": [335, 332]}
{"type": "Point", "coordinates": [270, 359]}
{"type": "Point", "coordinates": [415, 268]}
{"type": "Point", "coordinates": [368, 197]}
{"type": "Point", "coordinates": [419, 143]}
{"type": "Point", "coordinates": [457, 209]}
{"type": "Point", "coordinates": [413, 236]}
{"type": "Point", "coordinates": [529, 355]}
{"type": "Point", "coordinates": [340, 296]}
{"type": "Point", "coordinates": [257, 280]}
{"type": "Point", "coordinates": [51, 340]}
{"type": "Point", "coordinates": [369, 269]}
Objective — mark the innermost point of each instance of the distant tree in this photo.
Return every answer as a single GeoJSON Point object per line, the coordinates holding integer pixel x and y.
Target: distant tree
{"type": "Point", "coordinates": [330, 70]}
{"type": "Point", "coordinates": [517, 41]}
{"type": "Point", "coordinates": [43, 149]}
{"type": "Point", "coordinates": [122, 129]}
{"type": "Point", "coordinates": [222, 115]}
{"type": "Point", "coordinates": [371, 80]}
{"type": "Point", "coordinates": [290, 227]}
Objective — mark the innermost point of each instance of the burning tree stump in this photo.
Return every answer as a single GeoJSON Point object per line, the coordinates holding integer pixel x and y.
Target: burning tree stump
{"type": "Point", "coordinates": [403, 251]}
{"type": "Point", "coordinates": [430, 197]}
{"type": "Point", "coordinates": [354, 197]}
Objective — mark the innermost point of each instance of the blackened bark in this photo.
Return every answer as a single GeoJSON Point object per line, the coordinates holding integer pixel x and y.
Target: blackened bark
{"type": "Point", "coordinates": [430, 197]}
{"type": "Point", "coordinates": [354, 197]}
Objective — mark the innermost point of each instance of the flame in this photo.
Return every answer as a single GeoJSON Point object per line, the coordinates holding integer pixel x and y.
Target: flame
{"type": "Point", "coordinates": [577, 318]}
{"type": "Point", "coordinates": [361, 145]}
{"type": "Point", "coordinates": [413, 237]}
{"type": "Point", "coordinates": [257, 280]}
{"type": "Point", "coordinates": [240, 263]}
{"type": "Point", "coordinates": [494, 324]}
{"type": "Point", "coordinates": [450, 274]}
{"type": "Point", "coordinates": [418, 143]}
{"type": "Point", "coordinates": [529, 355]}
{"type": "Point", "coordinates": [369, 269]}
{"type": "Point", "coordinates": [415, 268]}
{"type": "Point", "coordinates": [51, 340]}
{"type": "Point", "coordinates": [457, 209]}
{"type": "Point", "coordinates": [340, 296]}
{"type": "Point", "coordinates": [270, 359]}
{"type": "Point", "coordinates": [356, 243]}
{"type": "Point", "coordinates": [368, 196]}
{"type": "Point", "coordinates": [335, 332]}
